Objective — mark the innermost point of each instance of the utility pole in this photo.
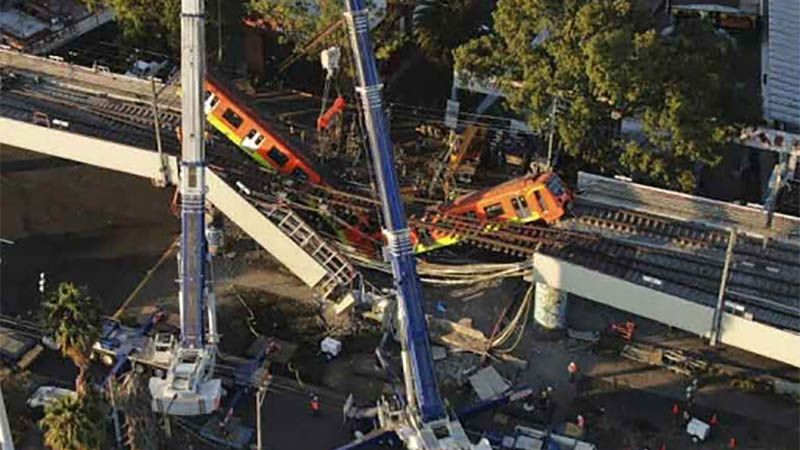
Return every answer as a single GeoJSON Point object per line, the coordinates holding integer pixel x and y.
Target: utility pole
{"type": "Point", "coordinates": [5, 431]}
{"type": "Point", "coordinates": [114, 413]}
{"type": "Point", "coordinates": [157, 128]}
{"type": "Point", "coordinates": [219, 31]}
{"type": "Point", "coordinates": [552, 133]}
{"type": "Point", "coordinates": [715, 326]}
{"type": "Point", "coordinates": [260, 394]}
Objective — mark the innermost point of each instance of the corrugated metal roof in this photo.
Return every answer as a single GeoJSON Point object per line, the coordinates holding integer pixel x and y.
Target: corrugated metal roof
{"type": "Point", "coordinates": [783, 67]}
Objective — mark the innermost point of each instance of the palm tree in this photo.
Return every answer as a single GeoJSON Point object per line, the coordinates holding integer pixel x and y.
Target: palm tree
{"type": "Point", "coordinates": [72, 318]}
{"type": "Point", "coordinates": [74, 422]}
{"type": "Point", "coordinates": [442, 25]}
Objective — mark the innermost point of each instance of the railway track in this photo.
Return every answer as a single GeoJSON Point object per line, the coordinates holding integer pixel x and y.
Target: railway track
{"type": "Point", "coordinates": [682, 234]}
{"type": "Point", "coordinates": [678, 254]}
{"type": "Point", "coordinates": [657, 266]}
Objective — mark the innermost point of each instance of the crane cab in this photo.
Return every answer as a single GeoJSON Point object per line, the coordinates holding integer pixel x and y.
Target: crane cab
{"type": "Point", "coordinates": [187, 389]}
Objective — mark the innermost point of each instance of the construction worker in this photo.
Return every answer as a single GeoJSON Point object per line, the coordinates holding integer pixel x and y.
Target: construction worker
{"type": "Point", "coordinates": [572, 370]}
{"type": "Point", "coordinates": [314, 404]}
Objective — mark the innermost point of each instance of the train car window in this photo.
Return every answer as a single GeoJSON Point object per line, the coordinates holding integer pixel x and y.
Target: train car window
{"type": "Point", "coordinates": [541, 201]}
{"type": "Point", "coordinates": [521, 207]}
{"type": "Point", "coordinates": [258, 137]}
{"type": "Point", "coordinates": [555, 186]}
{"type": "Point", "coordinates": [232, 118]}
{"type": "Point", "coordinates": [494, 210]}
{"type": "Point", "coordinates": [277, 156]}
{"type": "Point", "coordinates": [300, 174]}
{"type": "Point", "coordinates": [211, 102]}
{"type": "Point", "coordinates": [470, 215]}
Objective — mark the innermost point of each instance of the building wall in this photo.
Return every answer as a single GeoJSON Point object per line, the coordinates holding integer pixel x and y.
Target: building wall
{"type": "Point", "coordinates": [781, 67]}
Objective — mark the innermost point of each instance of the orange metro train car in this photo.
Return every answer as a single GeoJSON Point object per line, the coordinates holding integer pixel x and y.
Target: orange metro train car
{"type": "Point", "coordinates": [229, 114]}
{"type": "Point", "coordinates": [530, 198]}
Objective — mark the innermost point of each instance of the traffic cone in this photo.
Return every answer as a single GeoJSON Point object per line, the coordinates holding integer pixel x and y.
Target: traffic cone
{"type": "Point", "coordinates": [663, 447]}
{"type": "Point", "coordinates": [732, 443]}
{"type": "Point", "coordinates": [714, 421]}
{"type": "Point", "coordinates": [676, 409]}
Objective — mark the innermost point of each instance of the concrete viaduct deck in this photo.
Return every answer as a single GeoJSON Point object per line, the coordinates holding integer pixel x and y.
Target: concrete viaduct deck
{"type": "Point", "coordinates": [562, 273]}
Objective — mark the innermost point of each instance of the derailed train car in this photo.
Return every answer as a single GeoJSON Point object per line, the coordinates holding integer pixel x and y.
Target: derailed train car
{"type": "Point", "coordinates": [541, 198]}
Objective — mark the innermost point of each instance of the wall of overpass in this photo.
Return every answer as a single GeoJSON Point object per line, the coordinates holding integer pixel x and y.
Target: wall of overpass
{"type": "Point", "coordinates": [146, 163]}
{"type": "Point", "coordinates": [668, 309]}
{"type": "Point", "coordinates": [655, 305]}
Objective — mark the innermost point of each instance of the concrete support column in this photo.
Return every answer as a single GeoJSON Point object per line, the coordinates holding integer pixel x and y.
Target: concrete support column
{"type": "Point", "coordinates": [550, 307]}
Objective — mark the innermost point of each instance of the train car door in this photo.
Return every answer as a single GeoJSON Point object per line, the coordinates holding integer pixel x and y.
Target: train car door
{"type": "Point", "coordinates": [523, 212]}
{"type": "Point", "coordinates": [211, 102]}
{"type": "Point", "coordinates": [541, 201]}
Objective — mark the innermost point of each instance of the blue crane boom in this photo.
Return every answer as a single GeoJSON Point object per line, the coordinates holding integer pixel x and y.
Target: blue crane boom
{"type": "Point", "coordinates": [421, 386]}
{"type": "Point", "coordinates": [189, 388]}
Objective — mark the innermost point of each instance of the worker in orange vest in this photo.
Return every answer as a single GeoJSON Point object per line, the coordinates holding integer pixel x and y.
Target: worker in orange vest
{"type": "Point", "coordinates": [572, 369]}
{"type": "Point", "coordinates": [314, 404]}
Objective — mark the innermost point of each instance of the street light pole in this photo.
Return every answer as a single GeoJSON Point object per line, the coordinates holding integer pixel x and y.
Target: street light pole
{"type": "Point", "coordinates": [715, 326]}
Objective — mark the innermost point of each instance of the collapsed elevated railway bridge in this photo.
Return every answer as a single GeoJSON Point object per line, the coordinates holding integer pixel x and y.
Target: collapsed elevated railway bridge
{"type": "Point", "coordinates": [624, 247]}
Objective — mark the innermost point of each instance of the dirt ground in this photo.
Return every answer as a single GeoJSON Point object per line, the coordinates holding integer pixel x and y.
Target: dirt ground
{"type": "Point", "coordinates": [107, 230]}
{"type": "Point", "coordinates": [93, 227]}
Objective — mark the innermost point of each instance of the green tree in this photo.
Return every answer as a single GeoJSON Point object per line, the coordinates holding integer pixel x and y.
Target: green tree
{"type": "Point", "coordinates": [601, 61]}
{"type": "Point", "coordinates": [72, 318]}
{"type": "Point", "coordinates": [75, 422]}
{"type": "Point", "coordinates": [146, 19]}
{"type": "Point", "coordinates": [298, 21]}
{"type": "Point", "coordinates": [440, 26]}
